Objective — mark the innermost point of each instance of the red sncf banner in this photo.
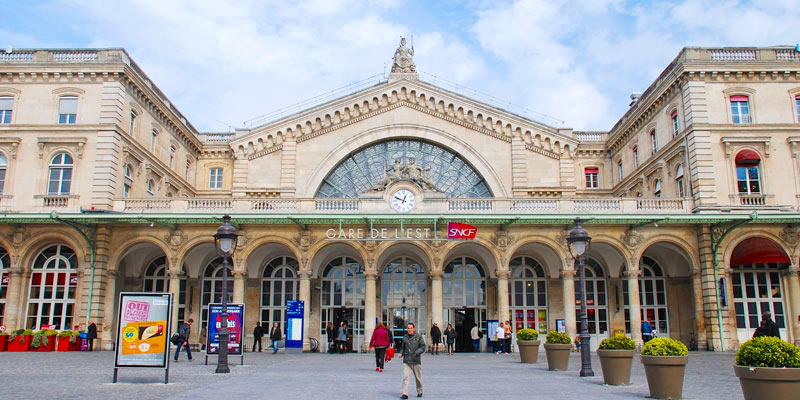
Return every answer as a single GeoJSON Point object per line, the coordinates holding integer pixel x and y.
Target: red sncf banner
{"type": "Point", "coordinates": [457, 230]}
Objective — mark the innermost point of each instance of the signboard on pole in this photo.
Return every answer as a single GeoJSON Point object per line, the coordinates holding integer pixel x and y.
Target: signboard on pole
{"type": "Point", "coordinates": [143, 327]}
{"type": "Point", "coordinates": [235, 328]}
{"type": "Point", "coordinates": [294, 325]}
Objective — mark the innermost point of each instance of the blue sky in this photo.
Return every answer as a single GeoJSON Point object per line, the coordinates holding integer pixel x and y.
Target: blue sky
{"type": "Point", "coordinates": [576, 61]}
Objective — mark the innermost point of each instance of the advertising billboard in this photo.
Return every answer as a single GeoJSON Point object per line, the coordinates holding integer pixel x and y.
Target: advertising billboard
{"type": "Point", "coordinates": [143, 328]}
{"type": "Point", "coordinates": [294, 321]}
{"type": "Point", "coordinates": [236, 330]}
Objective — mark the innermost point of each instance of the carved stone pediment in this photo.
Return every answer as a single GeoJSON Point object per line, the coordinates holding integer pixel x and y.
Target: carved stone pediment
{"type": "Point", "coordinates": [75, 144]}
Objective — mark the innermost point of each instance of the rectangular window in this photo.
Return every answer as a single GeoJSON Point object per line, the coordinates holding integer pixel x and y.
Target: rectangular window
{"type": "Point", "coordinates": [653, 142]}
{"type": "Point", "coordinates": [133, 123]}
{"type": "Point", "coordinates": [681, 187]}
{"type": "Point", "coordinates": [676, 129]}
{"type": "Point", "coordinates": [126, 191]}
{"type": "Point", "coordinates": [67, 109]}
{"type": "Point", "coordinates": [188, 166]}
{"type": "Point", "coordinates": [797, 106]}
{"type": "Point", "coordinates": [2, 178]}
{"type": "Point", "coordinates": [6, 107]}
{"type": "Point", "coordinates": [215, 178]}
{"type": "Point", "coordinates": [747, 179]}
{"type": "Point", "coordinates": [619, 170]}
{"type": "Point", "coordinates": [591, 178]}
{"type": "Point", "coordinates": [153, 137]}
{"type": "Point", "coordinates": [635, 157]}
{"type": "Point", "coordinates": [740, 109]}
{"type": "Point", "coordinates": [171, 155]}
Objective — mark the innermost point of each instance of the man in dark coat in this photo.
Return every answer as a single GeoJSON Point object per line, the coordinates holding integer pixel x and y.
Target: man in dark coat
{"type": "Point", "coordinates": [411, 352]}
{"type": "Point", "coordinates": [91, 335]}
{"type": "Point", "coordinates": [258, 333]}
{"type": "Point", "coordinates": [275, 336]}
{"type": "Point", "coordinates": [183, 339]}
{"type": "Point", "coordinates": [436, 337]}
{"type": "Point", "coordinates": [767, 327]}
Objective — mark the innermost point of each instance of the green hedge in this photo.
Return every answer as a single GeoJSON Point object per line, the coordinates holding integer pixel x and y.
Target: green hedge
{"type": "Point", "coordinates": [617, 343]}
{"type": "Point", "coordinates": [527, 334]}
{"type": "Point", "coordinates": [664, 347]}
{"type": "Point", "coordinates": [767, 351]}
{"type": "Point", "coordinates": [558, 338]}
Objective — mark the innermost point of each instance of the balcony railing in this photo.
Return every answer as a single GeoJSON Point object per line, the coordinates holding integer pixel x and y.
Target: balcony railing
{"type": "Point", "coordinates": [659, 204]}
{"type": "Point", "coordinates": [733, 54]}
{"type": "Point", "coordinates": [55, 201]}
{"type": "Point", "coordinates": [269, 205]}
{"type": "Point", "coordinates": [148, 204]}
{"type": "Point", "coordinates": [210, 204]}
{"type": "Point", "coordinates": [752, 199]}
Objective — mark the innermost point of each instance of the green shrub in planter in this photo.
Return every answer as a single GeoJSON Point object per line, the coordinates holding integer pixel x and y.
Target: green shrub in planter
{"type": "Point", "coordinates": [3, 333]}
{"type": "Point", "coordinates": [527, 334]}
{"type": "Point", "coordinates": [39, 339]}
{"type": "Point", "coordinates": [21, 333]}
{"type": "Point", "coordinates": [558, 338]}
{"type": "Point", "coordinates": [617, 343]}
{"type": "Point", "coordinates": [664, 347]}
{"type": "Point", "coordinates": [71, 335]}
{"type": "Point", "coordinates": [767, 351]}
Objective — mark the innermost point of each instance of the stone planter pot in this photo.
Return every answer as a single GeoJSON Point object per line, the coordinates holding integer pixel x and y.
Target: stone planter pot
{"type": "Point", "coordinates": [557, 356]}
{"type": "Point", "coordinates": [665, 375]}
{"type": "Point", "coordinates": [616, 365]}
{"type": "Point", "coordinates": [528, 350]}
{"type": "Point", "coordinates": [768, 383]}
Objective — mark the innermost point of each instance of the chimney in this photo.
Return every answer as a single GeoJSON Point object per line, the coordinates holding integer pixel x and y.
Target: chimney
{"type": "Point", "coordinates": [635, 97]}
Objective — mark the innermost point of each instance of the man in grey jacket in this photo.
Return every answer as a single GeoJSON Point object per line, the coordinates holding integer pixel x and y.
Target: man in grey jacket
{"type": "Point", "coordinates": [411, 353]}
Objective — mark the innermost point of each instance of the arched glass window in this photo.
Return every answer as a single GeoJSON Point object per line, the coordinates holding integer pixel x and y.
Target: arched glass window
{"type": "Point", "coordinates": [278, 285]}
{"type": "Point", "coordinates": [527, 294]}
{"type": "Point", "coordinates": [404, 295]}
{"type": "Point", "coordinates": [680, 184]}
{"type": "Point", "coordinates": [4, 266]}
{"type": "Point", "coordinates": [212, 286]}
{"type": "Point", "coordinates": [366, 168]}
{"type": "Point", "coordinates": [596, 297]}
{"type": "Point", "coordinates": [464, 286]}
{"type": "Point", "coordinates": [60, 174]}
{"type": "Point", "coordinates": [652, 297]}
{"type": "Point", "coordinates": [343, 293]}
{"type": "Point", "coordinates": [748, 177]}
{"type": "Point", "coordinates": [54, 281]}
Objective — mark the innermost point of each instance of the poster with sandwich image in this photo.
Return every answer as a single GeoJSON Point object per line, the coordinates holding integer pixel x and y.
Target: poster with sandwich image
{"type": "Point", "coordinates": [143, 330]}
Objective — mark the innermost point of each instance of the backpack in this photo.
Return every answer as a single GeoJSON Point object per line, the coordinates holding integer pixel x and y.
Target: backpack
{"type": "Point", "coordinates": [174, 339]}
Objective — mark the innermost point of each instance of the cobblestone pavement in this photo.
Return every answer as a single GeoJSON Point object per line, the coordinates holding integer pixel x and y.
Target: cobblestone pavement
{"type": "Point", "coordinates": [462, 376]}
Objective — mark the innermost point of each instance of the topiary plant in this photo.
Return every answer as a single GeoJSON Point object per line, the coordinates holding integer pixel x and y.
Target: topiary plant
{"type": "Point", "coordinates": [554, 337]}
{"type": "Point", "coordinates": [768, 351]}
{"type": "Point", "coordinates": [527, 334]}
{"type": "Point", "coordinates": [664, 347]}
{"type": "Point", "coordinates": [617, 343]}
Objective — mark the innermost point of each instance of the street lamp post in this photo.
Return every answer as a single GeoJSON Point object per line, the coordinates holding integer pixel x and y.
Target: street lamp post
{"type": "Point", "coordinates": [579, 242]}
{"type": "Point", "coordinates": [225, 242]}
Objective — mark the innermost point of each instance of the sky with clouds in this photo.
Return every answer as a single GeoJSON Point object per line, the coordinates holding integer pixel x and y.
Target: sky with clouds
{"type": "Point", "coordinates": [225, 62]}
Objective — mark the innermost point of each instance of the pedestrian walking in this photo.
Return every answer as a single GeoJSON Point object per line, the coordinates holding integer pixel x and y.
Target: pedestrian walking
{"type": "Point", "coordinates": [341, 337]}
{"type": "Point", "coordinates": [380, 342]}
{"type": "Point", "coordinates": [258, 333]}
{"type": "Point", "coordinates": [450, 335]}
{"type": "Point", "coordinates": [508, 337]}
{"type": "Point", "coordinates": [275, 336]}
{"type": "Point", "coordinates": [647, 331]}
{"type": "Point", "coordinates": [499, 338]}
{"type": "Point", "coordinates": [475, 335]}
{"type": "Point", "coordinates": [411, 352]}
{"type": "Point", "coordinates": [767, 327]}
{"type": "Point", "coordinates": [203, 337]}
{"type": "Point", "coordinates": [91, 335]}
{"type": "Point", "coordinates": [436, 337]}
{"type": "Point", "coordinates": [331, 335]}
{"type": "Point", "coordinates": [183, 339]}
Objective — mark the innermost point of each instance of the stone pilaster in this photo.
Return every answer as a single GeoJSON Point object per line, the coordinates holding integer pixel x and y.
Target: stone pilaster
{"type": "Point", "coordinates": [709, 294]}
{"type": "Point", "coordinates": [109, 310]}
{"type": "Point", "coordinates": [175, 290]}
{"type": "Point", "coordinates": [702, 173]}
{"type": "Point", "coordinates": [793, 280]}
{"type": "Point", "coordinates": [240, 175]}
{"type": "Point", "coordinates": [369, 305]}
{"type": "Point", "coordinates": [14, 305]}
{"type": "Point", "coordinates": [304, 294]}
{"type": "Point", "coordinates": [288, 163]}
{"type": "Point", "coordinates": [239, 278]}
{"type": "Point", "coordinates": [635, 307]}
{"type": "Point", "coordinates": [568, 295]}
{"type": "Point", "coordinates": [436, 298]}
{"type": "Point", "coordinates": [519, 163]}
{"type": "Point", "coordinates": [502, 296]}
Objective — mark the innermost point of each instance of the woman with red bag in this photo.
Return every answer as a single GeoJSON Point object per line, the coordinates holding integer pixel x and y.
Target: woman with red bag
{"type": "Point", "coordinates": [379, 341]}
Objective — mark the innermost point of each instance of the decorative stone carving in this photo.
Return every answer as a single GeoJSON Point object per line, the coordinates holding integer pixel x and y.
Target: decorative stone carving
{"type": "Point", "coordinates": [305, 240]}
{"type": "Point", "coordinates": [436, 244]}
{"type": "Point", "coordinates": [568, 273]}
{"type": "Point", "coordinates": [412, 172]}
{"type": "Point", "coordinates": [502, 239]}
{"type": "Point", "coordinates": [370, 245]}
{"type": "Point", "coordinates": [403, 61]}
{"type": "Point", "coordinates": [175, 238]}
{"type": "Point", "coordinates": [10, 145]}
{"type": "Point", "coordinates": [18, 236]}
{"type": "Point", "coordinates": [503, 274]}
{"type": "Point", "coordinates": [76, 144]}
{"type": "Point", "coordinates": [242, 239]}
{"type": "Point", "coordinates": [632, 238]}
{"type": "Point", "coordinates": [304, 274]}
{"type": "Point", "coordinates": [790, 235]}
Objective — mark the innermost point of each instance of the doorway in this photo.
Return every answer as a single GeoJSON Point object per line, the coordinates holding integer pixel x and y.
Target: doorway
{"type": "Point", "coordinates": [463, 319]}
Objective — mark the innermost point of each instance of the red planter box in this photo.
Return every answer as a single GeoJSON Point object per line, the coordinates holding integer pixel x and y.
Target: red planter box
{"type": "Point", "coordinates": [64, 345]}
{"type": "Point", "coordinates": [15, 345]}
{"type": "Point", "coordinates": [51, 344]}
{"type": "Point", "coordinates": [3, 341]}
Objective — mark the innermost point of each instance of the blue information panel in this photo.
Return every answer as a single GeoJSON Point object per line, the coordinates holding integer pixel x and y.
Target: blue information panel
{"type": "Point", "coordinates": [294, 324]}
{"type": "Point", "coordinates": [235, 328]}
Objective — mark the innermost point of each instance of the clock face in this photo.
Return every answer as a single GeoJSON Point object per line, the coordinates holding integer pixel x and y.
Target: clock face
{"type": "Point", "coordinates": [403, 200]}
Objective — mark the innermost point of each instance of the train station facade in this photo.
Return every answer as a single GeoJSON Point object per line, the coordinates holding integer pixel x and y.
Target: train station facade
{"type": "Point", "coordinates": [691, 200]}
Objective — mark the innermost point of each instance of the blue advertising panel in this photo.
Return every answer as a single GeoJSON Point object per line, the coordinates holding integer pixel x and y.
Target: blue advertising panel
{"type": "Point", "coordinates": [235, 328]}
{"type": "Point", "coordinates": [294, 324]}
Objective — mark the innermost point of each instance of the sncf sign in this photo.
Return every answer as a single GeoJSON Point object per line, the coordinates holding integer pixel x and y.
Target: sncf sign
{"type": "Point", "coordinates": [457, 230]}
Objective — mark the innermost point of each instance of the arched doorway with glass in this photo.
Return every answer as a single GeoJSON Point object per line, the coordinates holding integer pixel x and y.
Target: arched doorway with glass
{"type": "Point", "coordinates": [596, 300]}
{"type": "Point", "coordinates": [652, 297]}
{"type": "Point", "coordinates": [757, 264]}
{"type": "Point", "coordinates": [464, 298]}
{"type": "Point", "coordinates": [343, 294]}
{"type": "Point", "coordinates": [404, 295]}
{"type": "Point", "coordinates": [156, 279]}
{"type": "Point", "coordinates": [279, 284]}
{"type": "Point", "coordinates": [53, 283]}
{"type": "Point", "coordinates": [527, 294]}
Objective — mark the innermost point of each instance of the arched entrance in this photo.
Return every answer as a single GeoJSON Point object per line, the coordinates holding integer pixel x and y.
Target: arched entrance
{"type": "Point", "coordinates": [652, 297]}
{"type": "Point", "coordinates": [757, 264]}
{"type": "Point", "coordinates": [596, 300]}
{"type": "Point", "coordinates": [403, 295]}
{"type": "Point", "coordinates": [54, 280]}
{"type": "Point", "coordinates": [343, 295]}
{"type": "Point", "coordinates": [464, 298]}
{"type": "Point", "coordinates": [527, 293]}
{"type": "Point", "coordinates": [279, 284]}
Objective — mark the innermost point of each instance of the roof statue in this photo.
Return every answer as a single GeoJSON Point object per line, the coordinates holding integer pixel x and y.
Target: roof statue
{"type": "Point", "coordinates": [403, 62]}
{"type": "Point", "coordinates": [412, 172]}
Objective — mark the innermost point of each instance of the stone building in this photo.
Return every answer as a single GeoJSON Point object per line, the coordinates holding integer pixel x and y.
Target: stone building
{"type": "Point", "coordinates": [691, 200]}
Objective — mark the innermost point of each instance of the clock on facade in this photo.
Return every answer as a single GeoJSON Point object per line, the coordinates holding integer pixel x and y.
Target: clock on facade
{"type": "Point", "coordinates": [403, 200]}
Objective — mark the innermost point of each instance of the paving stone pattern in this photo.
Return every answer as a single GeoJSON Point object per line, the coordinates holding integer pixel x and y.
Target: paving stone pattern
{"type": "Point", "coordinates": [86, 375]}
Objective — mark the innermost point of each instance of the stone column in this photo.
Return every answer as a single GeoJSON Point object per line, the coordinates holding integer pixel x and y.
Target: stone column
{"type": "Point", "coordinates": [436, 298]}
{"type": "Point", "coordinates": [568, 295]}
{"type": "Point", "coordinates": [632, 275]}
{"type": "Point", "coordinates": [14, 304]}
{"type": "Point", "coordinates": [305, 295]}
{"type": "Point", "coordinates": [793, 278]}
{"type": "Point", "coordinates": [109, 313]}
{"type": "Point", "coordinates": [239, 278]}
{"type": "Point", "coordinates": [175, 289]}
{"type": "Point", "coordinates": [369, 305]}
{"type": "Point", "coordinates": [502, 296]}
